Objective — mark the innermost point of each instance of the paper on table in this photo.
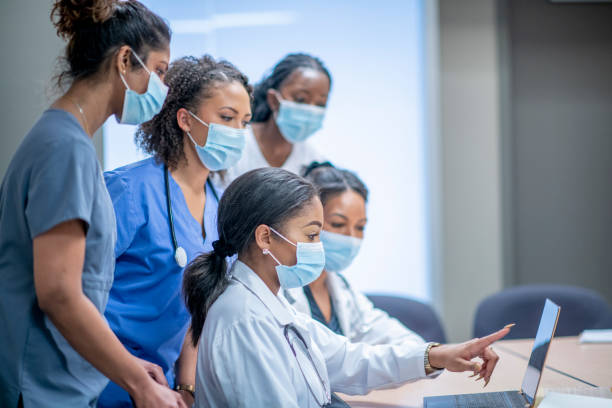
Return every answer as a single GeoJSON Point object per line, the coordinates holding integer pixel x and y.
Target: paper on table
{"type": "Point", "coordinates": [557, 400]}
{"type": "Point", "coordinates": [596, 336]}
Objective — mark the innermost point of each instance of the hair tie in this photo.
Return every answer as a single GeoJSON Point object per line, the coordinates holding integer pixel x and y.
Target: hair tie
{"type": "Point", "coordinates": [316, 165]}
{"type": "Point", "coordinates": [222, 249]}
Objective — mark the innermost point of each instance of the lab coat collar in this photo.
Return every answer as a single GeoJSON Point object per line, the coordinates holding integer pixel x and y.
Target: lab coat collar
{"type": "Point", "coordinates": [246, 276]}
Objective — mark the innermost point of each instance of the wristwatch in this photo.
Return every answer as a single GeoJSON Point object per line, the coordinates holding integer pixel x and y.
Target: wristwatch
{"type": "Point", "coordinates": [428, 368]}
{"type": "Point", "coordinates": [186, 387]}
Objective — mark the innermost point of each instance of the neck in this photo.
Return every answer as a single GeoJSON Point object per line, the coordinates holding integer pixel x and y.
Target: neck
{"type": "Point", "coordinates": [261, 266]}
{"type": "Point", "coordinates": [190, 172]}
{"type": "Point", "coordinates": [320, 284]}
{"type": "Point", "coordinates": [273, 145]}
{"type": "Point", "coordinates": [93, 98]}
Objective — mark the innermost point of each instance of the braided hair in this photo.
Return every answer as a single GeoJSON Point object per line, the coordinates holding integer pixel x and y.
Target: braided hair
{"type": "Point", "coordinates": [191, 81]}
{"type": "Point", "coordinates": [281, 71]}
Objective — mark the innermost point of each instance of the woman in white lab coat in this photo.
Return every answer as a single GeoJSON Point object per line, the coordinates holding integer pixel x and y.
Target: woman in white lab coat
{"type": "Point", "coordinates": [254, 349]}
{"type": "Point", "coordinates": [330, 299]}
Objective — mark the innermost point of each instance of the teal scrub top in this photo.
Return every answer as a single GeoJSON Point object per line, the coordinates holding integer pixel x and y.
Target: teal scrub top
{"type": "Point", "coordinates": [146, 309]}
{"type": "Point", "coordinates": [53, 177]}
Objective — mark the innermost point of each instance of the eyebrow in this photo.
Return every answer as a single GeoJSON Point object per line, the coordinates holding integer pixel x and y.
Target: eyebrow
{"type": "Point", "coordinates": [229, 107]}
{"type": "Point", "coordinates": [317, 223]}
{"type": "Point", "coordinates": [340, 215]}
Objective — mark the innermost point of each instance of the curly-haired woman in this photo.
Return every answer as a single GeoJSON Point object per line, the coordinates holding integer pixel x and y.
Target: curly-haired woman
{"type": "Point", "coordinates": [166, 213]}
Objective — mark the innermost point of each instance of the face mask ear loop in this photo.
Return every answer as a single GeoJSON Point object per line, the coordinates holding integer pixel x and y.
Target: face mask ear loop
{"type": "Point", "coordinates": [197, 118]}
{"type": "Point", "coordinates": [124, 81]}
{"type": "Point", "coordinates": [280, 235]}
{"type": "Point", "coordinates": [140, 61]}
{"type": "Point", "coordinates": [267, 252]}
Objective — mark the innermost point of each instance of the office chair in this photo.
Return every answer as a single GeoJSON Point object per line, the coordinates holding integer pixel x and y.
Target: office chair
{"type": "Point", "coordinates": [417, 316]}
{"type": "Point", "coordinates": [580, 309]}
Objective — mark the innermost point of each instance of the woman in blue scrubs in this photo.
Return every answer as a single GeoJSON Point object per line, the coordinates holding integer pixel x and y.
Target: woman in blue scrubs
{"type": "Point", "coordinates": [166, 213]}
{"type": "Point", "coordinates": [57, 227]}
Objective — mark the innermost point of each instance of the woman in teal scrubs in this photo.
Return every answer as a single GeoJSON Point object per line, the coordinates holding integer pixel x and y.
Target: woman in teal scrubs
{"type": "Point", "coordinates": [166, 213]}
{"type": "Point", "coordinates": [57, 228]}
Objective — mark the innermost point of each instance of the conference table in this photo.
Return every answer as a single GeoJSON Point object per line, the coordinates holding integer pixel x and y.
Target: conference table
{"type": "Point", "coordinates": [570, 365]}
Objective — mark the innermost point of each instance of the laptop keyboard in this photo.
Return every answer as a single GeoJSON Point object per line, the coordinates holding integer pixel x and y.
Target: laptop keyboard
{"type": "Point", "coordinates": [490, 400]}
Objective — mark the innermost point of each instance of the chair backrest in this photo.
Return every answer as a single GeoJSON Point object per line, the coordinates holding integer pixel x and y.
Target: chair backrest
{"type": "Point", "coordinates": [417, 316]}
{"type": "Point", "coordinates": [580, 309]}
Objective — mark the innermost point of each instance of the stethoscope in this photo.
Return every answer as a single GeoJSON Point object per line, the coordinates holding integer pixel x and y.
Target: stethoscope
{"type": "Point", "coordinates": [180, 256]}
{"type": "Point", "coordinates": [291, 327]}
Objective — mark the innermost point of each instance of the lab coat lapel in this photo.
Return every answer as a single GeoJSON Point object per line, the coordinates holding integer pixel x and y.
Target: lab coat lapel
{"type": "Point", "coordinates": [245, 275]}
{"type": "Point", "coordinates": [341, 299]}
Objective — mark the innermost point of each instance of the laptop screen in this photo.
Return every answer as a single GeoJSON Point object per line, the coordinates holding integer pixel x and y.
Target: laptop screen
{"type": "Point", "coordinates": [548, 323]}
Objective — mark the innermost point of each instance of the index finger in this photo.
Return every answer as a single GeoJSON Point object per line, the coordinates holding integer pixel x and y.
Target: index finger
{"type": "Point", "coordinates": [486, 341]}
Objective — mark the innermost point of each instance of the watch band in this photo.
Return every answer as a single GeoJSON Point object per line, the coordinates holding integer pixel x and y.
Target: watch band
{"type": "Point", "coordinates": [186, 387]}
{"type": "Point", "coordinates": [428, 368]}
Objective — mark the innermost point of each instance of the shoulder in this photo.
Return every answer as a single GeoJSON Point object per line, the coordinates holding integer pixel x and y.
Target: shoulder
{"type": "Point", "coordinates": [130, 177]}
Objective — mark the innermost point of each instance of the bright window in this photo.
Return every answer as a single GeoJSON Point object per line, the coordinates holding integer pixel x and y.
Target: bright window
{"type": "Point", "coordinates": [375, 119]}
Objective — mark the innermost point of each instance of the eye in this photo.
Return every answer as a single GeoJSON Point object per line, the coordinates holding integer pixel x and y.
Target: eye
{"type": "Point", "coordinates": [360, 228]}
{"type": "Point", "coordinates": [313, 236]}
{"type": "Point", "coordinates": [245, 123]}
{"type": "Point", "coordinates": [300, 100]}
{"type": "Point", "coordinates": [337, 224]}
{"type": "Point", "coordinates": [226, 118]}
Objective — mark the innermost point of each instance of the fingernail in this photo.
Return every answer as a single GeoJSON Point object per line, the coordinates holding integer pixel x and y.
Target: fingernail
{"type": "Point", "coordinates": [473, 375]}
{"type": "Point", "coordinates": [487, 382]}
{"type": "Point", "coordinates": [509, 325]}
{"type": "Point", "coordinates": [480, 377]}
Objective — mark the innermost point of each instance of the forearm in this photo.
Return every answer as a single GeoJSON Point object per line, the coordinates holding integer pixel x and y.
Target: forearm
{"type": "Point", "coordinates": [186, 364]}
{"type": "Point", "coordinates": [81, 324]}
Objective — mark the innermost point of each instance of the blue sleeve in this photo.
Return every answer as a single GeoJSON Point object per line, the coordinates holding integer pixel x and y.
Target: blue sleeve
{"type": "Point", "coordinates": [128, 219]}
{"type": "Point", "coordinates": [62, 187]}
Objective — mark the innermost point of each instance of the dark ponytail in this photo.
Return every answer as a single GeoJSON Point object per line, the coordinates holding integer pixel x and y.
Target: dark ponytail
{"type": "Point", "coordinates": [331, 181]}
{"type": "Point", "coordinates": [281, 71]}
{"type": "Point", "coordinates": [96, 29]}
{"type": "Point", "coordinates": [267, 196]}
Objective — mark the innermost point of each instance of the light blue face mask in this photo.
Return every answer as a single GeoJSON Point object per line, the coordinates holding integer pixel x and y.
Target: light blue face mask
{"type": "Point", "coordinates": [139, 108]}
{"type": "Point", "coordinates": [340, 250]}
{"type": "Point", "coordinates": [310, 263]}
{"type": "Point", "coordinates": [223, 148]}
{"type": "Point", "coordinates": [298, 121]}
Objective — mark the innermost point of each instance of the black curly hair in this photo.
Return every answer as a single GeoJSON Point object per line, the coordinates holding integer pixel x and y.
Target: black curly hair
{"type": "Point", "coordinates": [281, 71]}
{"type": "Point", "coordinates": [191, 80]}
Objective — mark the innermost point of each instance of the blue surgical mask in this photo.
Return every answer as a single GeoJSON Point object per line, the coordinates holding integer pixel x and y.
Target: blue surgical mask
{"type": "Point", "coordinates": [310, 263]}
{"type": "Point", "coordinates": [139, 108]}
{"type": "Point", "coordinates": [223, 148]}
{"type": "Point", "coordinates": [340, 250]}
{"type": "Point", "coordinates": [298, 121]}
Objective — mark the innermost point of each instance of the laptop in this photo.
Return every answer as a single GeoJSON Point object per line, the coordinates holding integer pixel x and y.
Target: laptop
{"type": "Point", "coordinates": [524, 398]}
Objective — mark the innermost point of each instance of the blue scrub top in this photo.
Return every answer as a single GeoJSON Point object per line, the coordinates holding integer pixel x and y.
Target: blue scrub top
{"type": "Point", "coordinates": [146, 309]}
{"type": "Point", "coordinates": [53, 177]}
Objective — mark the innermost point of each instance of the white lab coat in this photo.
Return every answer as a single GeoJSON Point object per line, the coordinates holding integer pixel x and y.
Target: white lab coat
{"type": "Point", "coordinates": [244, 358]}
{"type": "Point", "coordinates": [359, 319]}
{"type": "Point", "coordinates": [302, 154]}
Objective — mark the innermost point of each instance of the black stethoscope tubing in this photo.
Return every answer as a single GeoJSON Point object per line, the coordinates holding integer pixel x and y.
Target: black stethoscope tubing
{"type": "Point", "coordinates": [178, 249]}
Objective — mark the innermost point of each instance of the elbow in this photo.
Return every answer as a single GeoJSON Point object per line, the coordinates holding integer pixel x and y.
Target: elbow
{"type": "Point", "coordinates": [53, 300]}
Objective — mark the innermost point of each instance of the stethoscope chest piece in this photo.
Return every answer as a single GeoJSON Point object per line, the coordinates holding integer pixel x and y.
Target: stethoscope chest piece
{"type": "Point", "coordinates": [180, 256]}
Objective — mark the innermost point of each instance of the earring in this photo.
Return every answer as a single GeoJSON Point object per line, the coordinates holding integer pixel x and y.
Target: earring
{"type": "Point", "coordinates": [266, 251]}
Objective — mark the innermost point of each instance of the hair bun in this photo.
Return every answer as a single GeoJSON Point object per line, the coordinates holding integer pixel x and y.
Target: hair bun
{"type": "Point", "coordinates": [68, 16]}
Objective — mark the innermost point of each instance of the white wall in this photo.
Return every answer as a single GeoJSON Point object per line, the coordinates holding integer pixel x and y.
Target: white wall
{"type": "Point", "coordinates": [469, 159]}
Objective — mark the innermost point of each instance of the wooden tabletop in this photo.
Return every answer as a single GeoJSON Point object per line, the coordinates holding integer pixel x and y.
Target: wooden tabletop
{"type": "Point", "coordinates": [594, 362]}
